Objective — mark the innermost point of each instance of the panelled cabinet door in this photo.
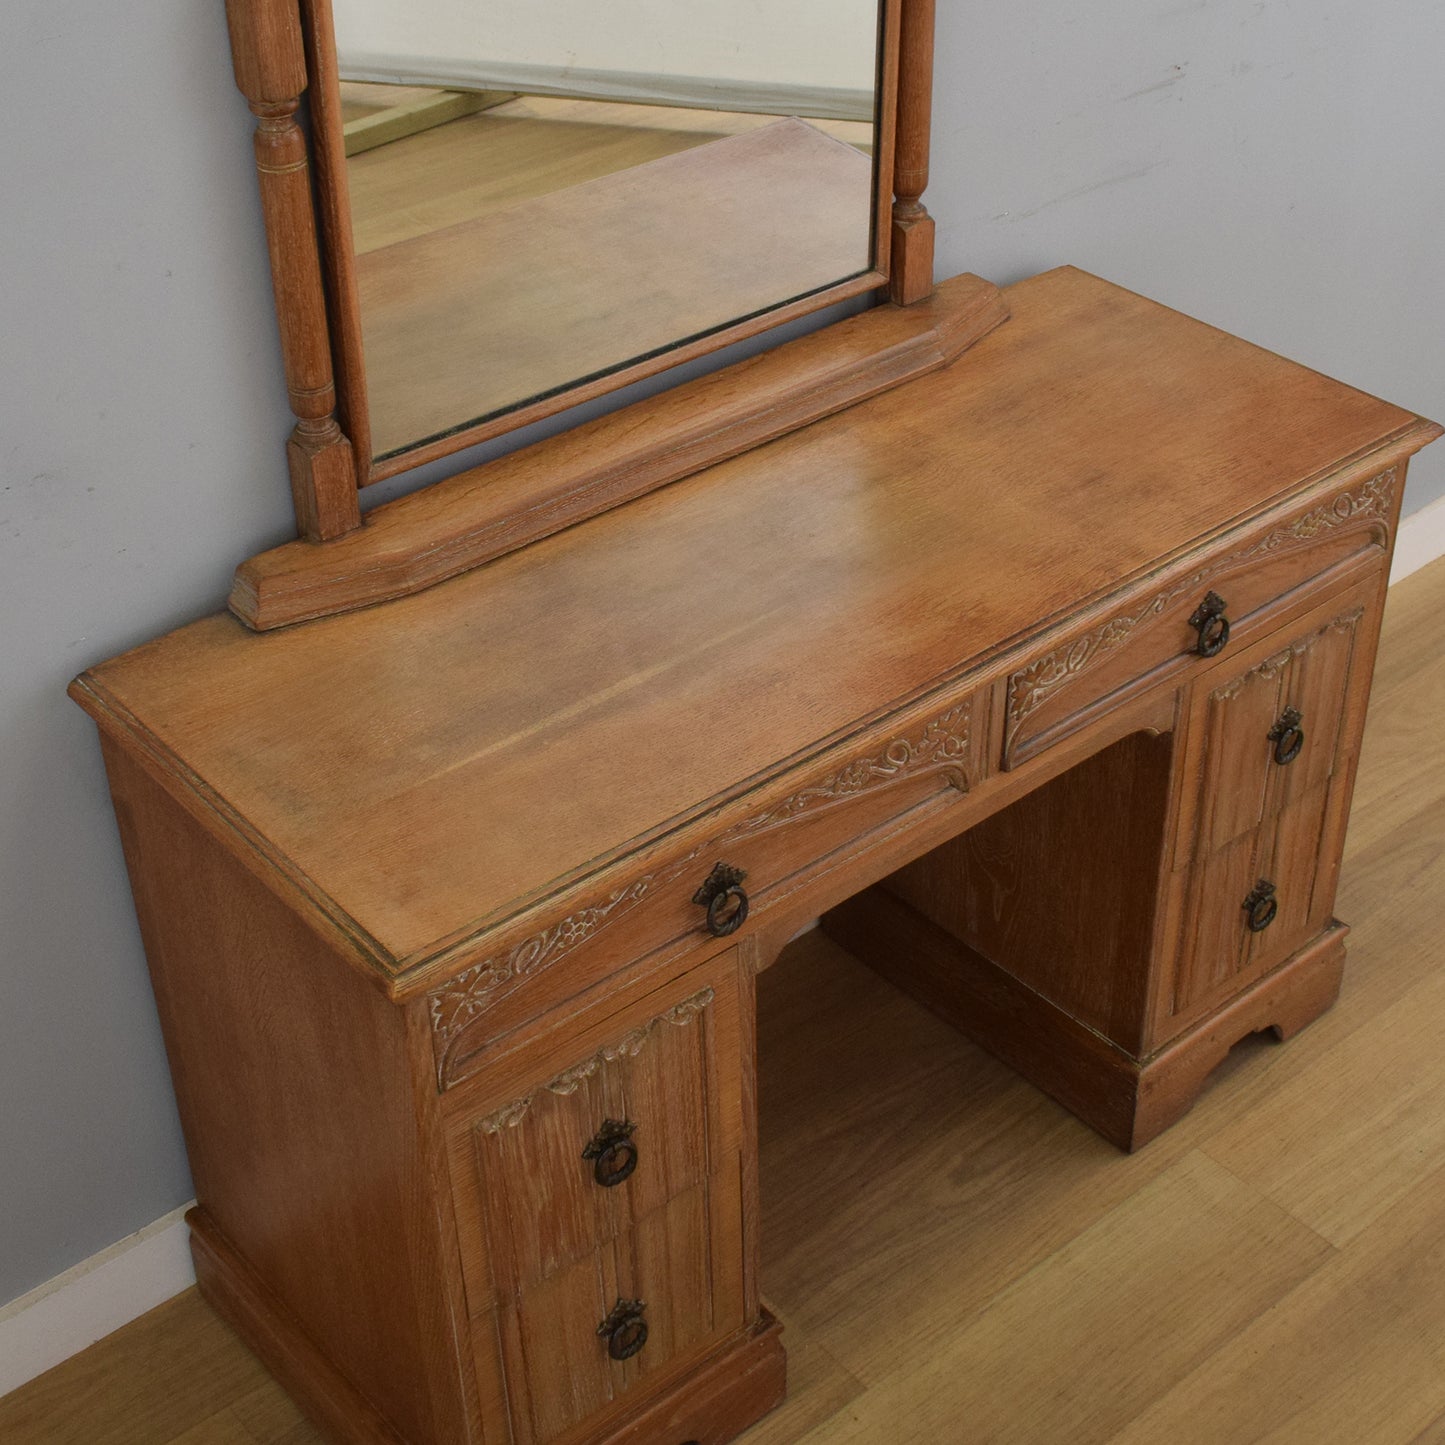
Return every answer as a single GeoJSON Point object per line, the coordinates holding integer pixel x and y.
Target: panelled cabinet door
{"type": "Point", "coordinates": [1267, 733]}
{"type": "Point", "coordinates": [610, 1190]}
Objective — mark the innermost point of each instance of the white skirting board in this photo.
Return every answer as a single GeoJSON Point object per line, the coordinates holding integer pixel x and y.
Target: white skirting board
{"type": "Point", "coordinates": [1421, 540]}
{"type": "Point", "coordinates": [62, 1317]}
{"type": "Point", "coordinates": [694, 92]}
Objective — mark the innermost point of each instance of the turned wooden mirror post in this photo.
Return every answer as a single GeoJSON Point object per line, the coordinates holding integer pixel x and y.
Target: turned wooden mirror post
{"type": "Point", "coordinates": [269, 58]}
{"type": "Point", "coordinates": [287, 49]}
{"type": "Point", "coordinates": [911, 276]}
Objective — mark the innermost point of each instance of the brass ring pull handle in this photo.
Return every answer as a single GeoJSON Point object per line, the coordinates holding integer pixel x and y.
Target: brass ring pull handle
{"type": "Point", "coordinates": [1211, 624]}
{"type": "Point", "coordinates": [723, 897]}
{"type": "Point", "coordinates": [612, 1152]}
{"type": "Point", "coordinates": [1287, 736]}
{"type": "Point", "coordinates": [624, 1329]}
{"type": "Point", "coordinates": [1260, 907]}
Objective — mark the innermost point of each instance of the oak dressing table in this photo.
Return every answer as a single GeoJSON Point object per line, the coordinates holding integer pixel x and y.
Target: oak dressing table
{"type": "Point", "coordinates": [1040, 677]}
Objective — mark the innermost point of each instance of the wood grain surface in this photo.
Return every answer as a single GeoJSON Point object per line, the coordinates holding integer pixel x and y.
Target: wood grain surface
{"type": "Point", "coordinates": [483, 315]}
{"type": "Point", "coordinates": [428, 536]}
{"type": "Point", "coordinates": [527, 147]}
{"type": "Point", "coordinates": [438, 762]}
{"type": "Point", "coordinates": [1297, 1212]}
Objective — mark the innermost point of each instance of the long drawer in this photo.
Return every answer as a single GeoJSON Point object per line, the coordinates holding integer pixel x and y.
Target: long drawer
{"type": "Point", "coordinates": [1183, 618]}
{"type": "Point", "coordinates": [767, 845]}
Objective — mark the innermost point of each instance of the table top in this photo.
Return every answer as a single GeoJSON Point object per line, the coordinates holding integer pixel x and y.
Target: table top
{"type": "Point", "coordinates": [442, 762]}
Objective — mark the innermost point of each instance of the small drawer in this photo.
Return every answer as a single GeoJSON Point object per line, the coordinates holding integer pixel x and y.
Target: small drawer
{"type": "Point", "coordinates": [593, 1337]}
{"type": "Point", "coordinates": [1270, 740]}
{"type": "Point", "coordinates": [1179, 621]}
{"type": "Point", "coordinates": [777, 837]}
{"type": "Point", "coordinates": [593, 1127]}
{"type": "Point", "coordinates": [1254, 903]}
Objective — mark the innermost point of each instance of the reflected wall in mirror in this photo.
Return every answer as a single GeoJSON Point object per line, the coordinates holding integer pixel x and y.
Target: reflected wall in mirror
{"type": "Point", "coordinates": [548, 193]}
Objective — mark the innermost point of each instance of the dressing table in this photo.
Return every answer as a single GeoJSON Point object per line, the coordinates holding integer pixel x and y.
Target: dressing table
{"type": "Point", "coordinates": [1024, 638]}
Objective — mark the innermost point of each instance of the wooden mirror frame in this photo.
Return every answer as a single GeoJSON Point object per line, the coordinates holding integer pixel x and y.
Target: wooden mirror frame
{"type": "Point", "coordinates": [282, 48]}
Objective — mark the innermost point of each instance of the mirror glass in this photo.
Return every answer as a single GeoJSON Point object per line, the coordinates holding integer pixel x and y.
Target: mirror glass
{"type": "Point", "coordinates": [547, 192]}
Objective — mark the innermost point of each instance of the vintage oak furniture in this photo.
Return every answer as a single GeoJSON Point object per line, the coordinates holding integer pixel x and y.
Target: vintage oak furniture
{"type": "Point", "coordinates": [1039, 677]}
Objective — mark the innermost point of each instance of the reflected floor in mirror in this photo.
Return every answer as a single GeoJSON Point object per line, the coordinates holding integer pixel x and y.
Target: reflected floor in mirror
{"type": "Point", "coordinates": [509, 246]}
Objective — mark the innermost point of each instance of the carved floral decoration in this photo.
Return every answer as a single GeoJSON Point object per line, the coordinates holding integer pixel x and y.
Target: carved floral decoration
{"type": "Point", "coordinates": [1035, 684]}
{"type": "Point", "coordinates": [942, 745]}
{"type": "Point", "coordinates": [1272, 666]}
{"type": "Point", "coordinates": [627, 1047]}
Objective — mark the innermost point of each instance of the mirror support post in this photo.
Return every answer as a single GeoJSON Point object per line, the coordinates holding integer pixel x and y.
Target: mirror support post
{"type": "Point", "coordinates": [270, 66]}
{"type": "Point", "coordinates": [912, 243]}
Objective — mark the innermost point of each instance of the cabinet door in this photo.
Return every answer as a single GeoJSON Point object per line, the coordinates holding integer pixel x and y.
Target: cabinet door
{"type": "Point", "coordinates": [604, 1168]}
{"type": "Point", "coordinates": [1269, 736]}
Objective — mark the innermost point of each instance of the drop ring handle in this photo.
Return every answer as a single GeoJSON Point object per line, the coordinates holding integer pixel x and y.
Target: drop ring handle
{"type": "Point", "coordinates": [613, 1153]}
{"type": "Point", "coordinates": [1260, 906]}
{"type": "Point", "coordinates": [1287, 736]}
{"type": "Point", "coordinates": [722, 895]}
{"type": "Point", "coordinates": [1209, 621]}
{"type": "Point", "coordinates": [624, 1329]}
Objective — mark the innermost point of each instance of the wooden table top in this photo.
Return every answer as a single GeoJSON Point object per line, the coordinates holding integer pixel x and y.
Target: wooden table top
{"type": "Point", "coordinates": [444, 760]}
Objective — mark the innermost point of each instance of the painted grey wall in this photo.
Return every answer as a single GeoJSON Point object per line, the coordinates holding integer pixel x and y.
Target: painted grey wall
{"type": "Point", "coordinates": [1269, 165]}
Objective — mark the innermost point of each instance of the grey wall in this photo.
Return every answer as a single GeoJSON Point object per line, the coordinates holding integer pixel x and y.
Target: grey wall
{"type": "Point", "coordinates": [1269, 165]}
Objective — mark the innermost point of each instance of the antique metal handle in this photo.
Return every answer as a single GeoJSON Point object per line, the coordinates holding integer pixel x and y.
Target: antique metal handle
{"type": "Point", "coordinates": [1287, 736]}
{"type": "Point", "coordinates": [723, 897]}
{"type": "Point", "coordinates": [624, 1329]}
{"type": "Point", "coordinates": [1260, 907]}
{"type": "Point", "coordinates": [613, 1153]}
{"type": "Point", "coordinates": [1211, 624]}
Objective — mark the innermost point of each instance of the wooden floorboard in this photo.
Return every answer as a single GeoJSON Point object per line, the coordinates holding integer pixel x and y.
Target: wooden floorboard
{"type": "Point", "coordinates": [958, 1260]}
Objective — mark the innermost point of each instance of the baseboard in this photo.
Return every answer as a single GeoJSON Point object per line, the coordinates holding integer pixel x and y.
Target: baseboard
{"type": "Point", "coordinates": [1421, 540]}
{"type": "Point", "coordinates": [60, 1318]}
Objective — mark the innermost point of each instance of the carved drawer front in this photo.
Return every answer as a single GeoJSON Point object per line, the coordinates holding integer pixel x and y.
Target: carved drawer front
{"type": "Point", "coordinates": [1178, 623]}
{"type": "Point", "coordinates": [597, 1167]}
{"type": "Point", "coordinates": [595, 1126]}
{"type": "Point", "coordinates": [601, 1332]}
{"type": "Point", "coordinates": [1272, 748]}
{"type": "Point", "coordinates": [777, 838]}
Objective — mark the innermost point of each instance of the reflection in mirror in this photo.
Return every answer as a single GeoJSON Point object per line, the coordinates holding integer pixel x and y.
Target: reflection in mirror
{"type": "Point", "coordinates": [544, 192]}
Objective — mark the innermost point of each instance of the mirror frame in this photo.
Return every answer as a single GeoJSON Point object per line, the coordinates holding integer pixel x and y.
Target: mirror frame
{"type": "Point", "coordinates": [284, 51]}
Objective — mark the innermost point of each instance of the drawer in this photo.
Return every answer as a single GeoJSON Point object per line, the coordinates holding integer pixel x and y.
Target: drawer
{"type": "Point", "coordinates": [777, 838]}
{"type": "Point", "coordinates": [1156, 634]}
{"type": "Point", "coordinates": [596, 1336]}
{"type": "Point", "coordinates": [1270, 744]}
{"type": "Point", "coordinates": [594, 1126]}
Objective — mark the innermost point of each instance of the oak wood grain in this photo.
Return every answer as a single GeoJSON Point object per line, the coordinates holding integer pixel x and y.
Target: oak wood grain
{"type": "Point", "coordinates": [823, 580]}
{"type": "Point", "coordinates": [270, 68]}
{"type": "Point", "coordinates": [528, 147]}
{"type": "Point", "coordinates": [1047, 1323]}
{"type": "Point", "coordinates": [301, 1128]}
{"type": "Point", "coordinates": [912, 228]}
{"type": "Point", "coordinates": [1361, 1342]}
{"type": "Point", "coordinates": [424, 538]}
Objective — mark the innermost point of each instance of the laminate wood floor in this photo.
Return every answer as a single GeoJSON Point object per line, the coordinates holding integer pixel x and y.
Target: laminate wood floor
{"type": "Point", "coordinates": [958, 1261]}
